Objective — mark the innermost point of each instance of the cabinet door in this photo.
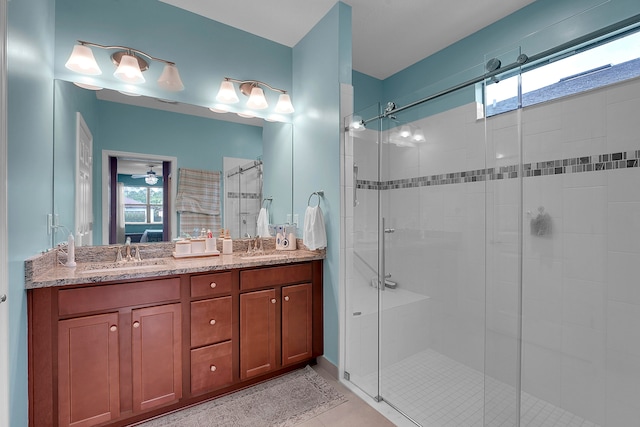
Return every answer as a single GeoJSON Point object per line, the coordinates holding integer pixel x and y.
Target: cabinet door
{"type": "Point", "coordinates": [257, 333]}
{"type": "Point", "coordinates": [297, 330]}
{"type": "Point", "coordinates": [88, 370]}
{"type": "Point", "coordinates": [156, 356]}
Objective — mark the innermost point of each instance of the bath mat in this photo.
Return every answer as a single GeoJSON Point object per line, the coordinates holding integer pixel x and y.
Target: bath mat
{"type": "Point", "coordinates": [283, 401]}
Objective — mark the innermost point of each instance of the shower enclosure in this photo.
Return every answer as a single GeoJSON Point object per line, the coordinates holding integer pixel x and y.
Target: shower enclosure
{"type": "Point", "coordinates": [242, 196]}
{"type": "Point", "coordinates": [492, 251]}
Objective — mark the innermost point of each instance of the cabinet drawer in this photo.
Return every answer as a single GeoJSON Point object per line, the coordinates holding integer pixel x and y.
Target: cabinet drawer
{"type": "Point", "coordinates": [109, 297]}
{"type": "Point", "coordinates": [211, 367]}
{"type": "Point", "coordinates": [211, 321]}
{"type": "Point", "coordinates": [272, 276]}
{"type": "Point", "coordinates": [211, 284]}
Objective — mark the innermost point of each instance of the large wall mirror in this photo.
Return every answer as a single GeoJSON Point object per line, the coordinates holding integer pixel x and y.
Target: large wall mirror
{"type": "Point", "coordinates": [117, 161]}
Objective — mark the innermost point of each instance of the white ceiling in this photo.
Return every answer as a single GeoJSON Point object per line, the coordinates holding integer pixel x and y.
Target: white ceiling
{"type": "Point", "coordinates": [388, 35]}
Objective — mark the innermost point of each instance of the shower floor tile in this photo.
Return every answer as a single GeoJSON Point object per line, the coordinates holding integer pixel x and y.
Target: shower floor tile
{"type": "Point", "coordinates": [436, 391]}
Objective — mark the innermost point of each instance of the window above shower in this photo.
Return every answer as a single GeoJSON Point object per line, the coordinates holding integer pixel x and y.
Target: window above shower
{"type": "Point", "coordinates": [601, 62]}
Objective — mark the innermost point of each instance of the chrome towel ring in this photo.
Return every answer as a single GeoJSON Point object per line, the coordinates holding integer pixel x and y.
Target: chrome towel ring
{"type": "Point", "coordinates": [320, 194]}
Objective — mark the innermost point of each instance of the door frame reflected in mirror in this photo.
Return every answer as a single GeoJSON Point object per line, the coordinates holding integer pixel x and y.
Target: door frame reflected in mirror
{"type": "Point", "coordinates": [106, 184]}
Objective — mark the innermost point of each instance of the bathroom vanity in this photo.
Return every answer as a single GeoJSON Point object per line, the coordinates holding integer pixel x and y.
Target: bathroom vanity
{"type": "Point", "coordinates": [114, 346]}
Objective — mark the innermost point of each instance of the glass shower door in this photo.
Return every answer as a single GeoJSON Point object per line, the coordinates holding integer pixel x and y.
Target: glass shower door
{"type": "Point", "coordinates": [361, 170]}
{"type": "Point", "coordinates": [432, 307]}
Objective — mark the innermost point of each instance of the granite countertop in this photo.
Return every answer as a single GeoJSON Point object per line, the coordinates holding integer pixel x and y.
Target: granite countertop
{"type": "Point", "coordinates": [42, 272]}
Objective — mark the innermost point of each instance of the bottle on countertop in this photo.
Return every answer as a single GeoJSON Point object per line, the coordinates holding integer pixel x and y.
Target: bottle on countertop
{"type": "Point", "coordinates": [227, 243]}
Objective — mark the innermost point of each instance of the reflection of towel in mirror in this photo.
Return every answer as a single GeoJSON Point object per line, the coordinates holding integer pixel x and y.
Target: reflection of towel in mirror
{"type": "Point", "coordinates": [263, 223]}
{"type": "Point", "coordinates": [315, 235]}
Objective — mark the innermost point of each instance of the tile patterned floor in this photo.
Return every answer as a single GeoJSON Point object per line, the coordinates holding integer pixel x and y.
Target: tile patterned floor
{"type": "Point", "coordinates": [437, 391]}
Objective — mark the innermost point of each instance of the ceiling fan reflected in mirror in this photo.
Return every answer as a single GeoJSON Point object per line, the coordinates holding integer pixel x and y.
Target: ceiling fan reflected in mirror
{"type": "Point", "coordinates": [150, 177]}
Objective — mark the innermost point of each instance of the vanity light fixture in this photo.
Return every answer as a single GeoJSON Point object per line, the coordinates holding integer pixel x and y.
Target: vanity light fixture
{"type": "Point", "coordinates": [253, 89]}
{"type": "Point", "coordinates": [130, 64]}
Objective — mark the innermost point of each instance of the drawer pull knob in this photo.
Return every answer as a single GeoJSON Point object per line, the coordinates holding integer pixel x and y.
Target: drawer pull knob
{"type": "Point", "coordinates": [113, 328]}
{"type": "Point", "coordinates": [273, 300]}
{"type": "Point", "coordinates": [213, 368]}
{"type": "Point", "coordinates": [286, 298]}
{"type": "Point", "coordinates": [213, 285]}
{"type": "Point", "coordinates": [136, 324]}
{"type": "Point", "coordinates": [212, 322]}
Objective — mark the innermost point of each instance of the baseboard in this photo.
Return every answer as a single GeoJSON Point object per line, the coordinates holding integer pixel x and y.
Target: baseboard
{"type": "Point", "coordinates": [325, 364]}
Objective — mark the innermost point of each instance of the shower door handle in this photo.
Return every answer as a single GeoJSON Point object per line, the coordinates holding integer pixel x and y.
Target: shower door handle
{"type": "Point", "coordinates": [355, 185]}
{"type": "Point", "coordinates": [389, 230]}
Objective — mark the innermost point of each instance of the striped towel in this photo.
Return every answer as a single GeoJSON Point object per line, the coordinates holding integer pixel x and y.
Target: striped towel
{"type": "Point", "coordinates": [198, 200]}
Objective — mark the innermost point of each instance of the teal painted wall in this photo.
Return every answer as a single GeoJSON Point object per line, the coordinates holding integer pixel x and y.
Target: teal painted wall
{"type": "Point", "coordinates": [197, 142]}
{"type": "Point", "coordinates": [205, 51]}
{"type": "Point", "coordinates": [320, 60]}
{"type": "Point", "coordinates": [277, 147]}
{"type": "Point", "coordinates": [367, 91]}
{"type": "Point", "coordinates": [30, 152]}
{"type": "Point", "coordinates": [69, 99]}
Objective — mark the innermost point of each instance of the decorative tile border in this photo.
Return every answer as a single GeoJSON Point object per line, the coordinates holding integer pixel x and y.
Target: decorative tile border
{"type": "Point", "coordinates": [235, 195]}
{"type": "Point", "coordinates": [620, 160]}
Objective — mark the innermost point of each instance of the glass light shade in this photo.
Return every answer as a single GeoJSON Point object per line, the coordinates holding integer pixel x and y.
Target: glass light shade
{"type": "Point", "coordinates": [405, 131]}
{"type": "Point", "coordinates": [170, 79]}
{"type": "Point", "coordinates": [151, 179]}
{"type": "Point", "coordinates": [83, 61]}
{"type": "Point", "coordinates": [257, 101]}
{"type": "Point", "coordinates": [246, 115]}
{"type": "Point", "coordinates": [227, 93]}
{"type": "Point", "coordinates": [284, 104]}
{"type": "Point", "coordinates": [129, 70]}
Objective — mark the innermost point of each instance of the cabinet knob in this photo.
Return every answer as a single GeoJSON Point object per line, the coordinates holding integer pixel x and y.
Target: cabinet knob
{"type": "Point", "coordinates": [212, 322]}
{"type": "Point", "coordinates": [213, 368]}
{"type": "Point", "coordinates": [273, 300]}
{"type": "Point", "coordinates": [136, 324]}
{"type": "Point", "coordinates": [113, 328]}
{"type": "Point", "coordinates": [213, 285]}
{"type": "Point", "coordinates": [286, 298]}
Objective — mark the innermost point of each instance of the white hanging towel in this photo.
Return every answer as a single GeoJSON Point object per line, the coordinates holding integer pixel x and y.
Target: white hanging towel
{"type": "Point", "coordinates": [315, 235]}
{"type": "Point", "coordinates": [263, 223]}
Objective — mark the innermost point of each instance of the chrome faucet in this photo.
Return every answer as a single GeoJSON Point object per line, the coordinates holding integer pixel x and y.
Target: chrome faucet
{"type": "Point", "coordinates": [130, 253]}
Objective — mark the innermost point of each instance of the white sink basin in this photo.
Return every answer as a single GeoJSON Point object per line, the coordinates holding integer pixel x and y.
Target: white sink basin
{"type": "Point", "coordinates": [113, 267]}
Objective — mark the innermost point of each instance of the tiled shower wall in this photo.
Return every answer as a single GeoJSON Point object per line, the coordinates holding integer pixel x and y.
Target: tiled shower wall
{"type": "Point", "coordinates": [455, 205]}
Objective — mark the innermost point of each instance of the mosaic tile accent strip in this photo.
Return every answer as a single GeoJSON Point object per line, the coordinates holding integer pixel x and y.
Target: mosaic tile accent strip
{"type": "Point", "coordinates": [600, 162]}
{"type": "Point", "coordinates": [236, 195]}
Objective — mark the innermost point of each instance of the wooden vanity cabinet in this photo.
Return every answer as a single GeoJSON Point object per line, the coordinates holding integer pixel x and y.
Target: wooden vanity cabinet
{"type": "Point", "coordinates": [277, 323]}
{"type": "Point", "coordinates": [113, 354]}
{"type": "Point", "coordinates": [115, 351]}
